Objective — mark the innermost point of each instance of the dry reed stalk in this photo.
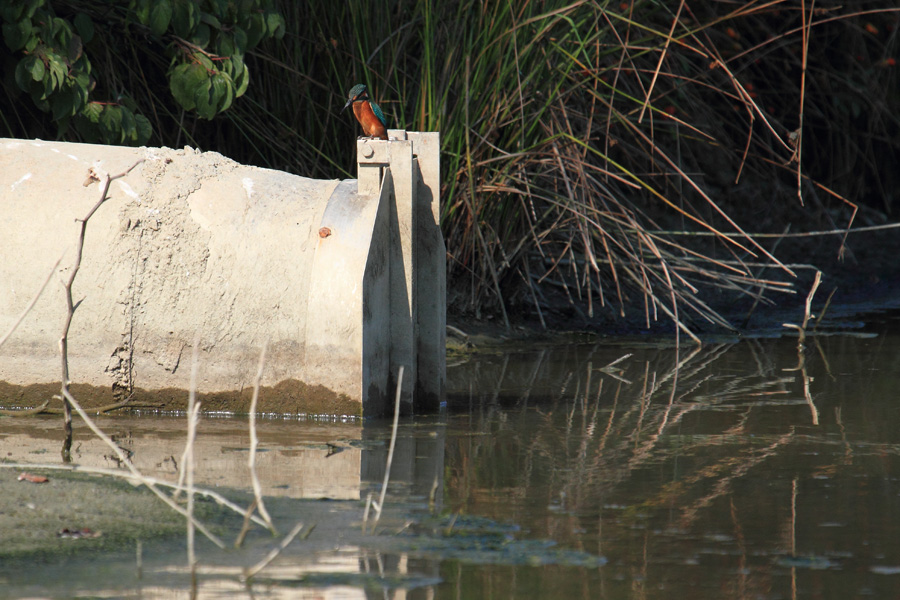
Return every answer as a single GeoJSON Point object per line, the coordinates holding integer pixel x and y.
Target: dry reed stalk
{"type": "Point", "coordinates": [273, 554]}
{"type": "Point", "coordinates": [33, 301]}
{"type": "Point", "coordinates": [662, 58]}
{"type": "Point", "coordinates": [365, 520]}
{"type": "Point", "coordinates": [187, 453]}
{"type": "Point", "coordinates": [245, 526]}
{"type": "Point", "coordinates": [809, 297]}
{"type": "Point", "coordinates": [254, 443]}
{"type": "Point", "coordinates": [379, 505]}
{"type": "Point", "coordinates": [801, 329]}
{"type": "Point", "coordinates": [798, 140]}
{"type": "Point", "coordinates": [193, 413]}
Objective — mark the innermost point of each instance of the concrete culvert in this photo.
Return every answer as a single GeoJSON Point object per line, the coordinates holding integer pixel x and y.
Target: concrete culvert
{"type": "Point", "coordinates": [192, 246]}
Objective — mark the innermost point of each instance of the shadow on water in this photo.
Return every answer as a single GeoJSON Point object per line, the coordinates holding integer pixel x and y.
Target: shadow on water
{"type": "Point", "coordinates": [735, 470]}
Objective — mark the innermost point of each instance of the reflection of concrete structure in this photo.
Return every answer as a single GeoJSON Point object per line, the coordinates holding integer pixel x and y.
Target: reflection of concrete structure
{"type": "Point", "coordinates": [343, 280]}
{"type": "Point", "coordinates": [297, 460]}
{"type": "Point", "coordinates": [418, 465]}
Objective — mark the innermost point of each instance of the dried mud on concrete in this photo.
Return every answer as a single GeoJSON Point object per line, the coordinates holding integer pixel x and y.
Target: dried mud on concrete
{"type": "Point", "coordinates": [286, 398]}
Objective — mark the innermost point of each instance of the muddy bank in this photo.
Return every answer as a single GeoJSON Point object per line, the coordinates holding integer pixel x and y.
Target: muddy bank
{"type": "Point", "coordinates": [61, 517]}
{"type": "Point", "coordinates": [863, 279]}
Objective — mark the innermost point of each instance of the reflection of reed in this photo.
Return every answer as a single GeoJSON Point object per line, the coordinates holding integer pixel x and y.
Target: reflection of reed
{"type": "Point", "coordinates": [572, 434]}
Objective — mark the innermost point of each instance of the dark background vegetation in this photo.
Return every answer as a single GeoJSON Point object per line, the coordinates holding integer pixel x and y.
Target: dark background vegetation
{"type": "Point", "coordinates": [601, 161]}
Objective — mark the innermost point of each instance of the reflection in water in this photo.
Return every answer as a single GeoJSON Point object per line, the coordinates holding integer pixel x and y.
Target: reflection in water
{"type": "Point", "coordinates": [732, 468]}
{"type": "Point", "coordinates": [749, 470]}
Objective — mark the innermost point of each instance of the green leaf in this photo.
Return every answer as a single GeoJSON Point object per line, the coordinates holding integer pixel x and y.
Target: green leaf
{"type": "Point", "coordinates": [32, 43]}
{"type": "Point", "coordinates": [111, 124]}
{"type": "Point", "coordinates": [144, 129]}
{"type": "Point", "coordinates": [83, 80]}
{"type": "Point", "coordinates": [128, 133]}
{"type": "Point", "coordinates": [14, 11]}
{"type": "Point", "coordinates": [92, 112]}
{"type": "Point", "coordinates": [224, 45]}
{"type": "Point", "coordinates": [160, 17]}
{"type": "Point", "coordinates": [85, 27]}
{"type": "Point", "coordinates": [75, 49]}
{"type": "Point", "coordinates": [32, 5]}
{"type": "Point", "coordinates": [58, 71]}
{"type": "Point", "coordinates": [241, 78]}
{"type": "Point", "coordinates": [39, 99]}
{"type": "Point", "coordinates": [81, 94]}
{"type": "Point", "coordinates": [64, 103]}
{"type": "Point", "coordinates": [218, 7]}
{"type": "Point", "coordinates": [240, 40]}
{"type": "Point", "coordinates": [275, 25]}
{"type": "Point", "coordinates": [10, 11]}
{"type": "Point", "coordinates": [17, 34]}
{"type": "Point", "coordinates": [211, 20]}
{"type": "Point", "coordinates": [224, 90]}
{"type": "Point", "coordinates": [128, 102]}
{"type": "Point", "coordinates": [29, 69]}
{"type": "Point", "coordinates": [185, 81]}
{"type": "Point", "coordinates": [205, 61]}
{"type": "Point", "coordinates": [61, 30]}
{"type": "Point", "coordinates": [255, 28]}
{"type": "Point", "coordinates": [62, 125]}
{"type": "Point", "coordinates": [142, 12]}
{"type": "Point", "coordinates": [185, 17]}
{"type": "Point", "coordinates": [201, 35]}
{"type": "Point", "coordinates": [205, 100]}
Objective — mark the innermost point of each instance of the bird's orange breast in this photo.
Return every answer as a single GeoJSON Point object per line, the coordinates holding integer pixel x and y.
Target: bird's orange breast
{"type": "Point", "coordinates": [372, 125]}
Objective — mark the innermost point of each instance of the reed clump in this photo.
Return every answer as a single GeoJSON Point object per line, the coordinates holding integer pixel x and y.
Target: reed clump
{"type": "Point", "coordinates": [599, 159]}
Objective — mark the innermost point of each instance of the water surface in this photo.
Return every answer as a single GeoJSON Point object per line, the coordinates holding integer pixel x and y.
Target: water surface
{"type": "Point", "coordinates": [751, 469]}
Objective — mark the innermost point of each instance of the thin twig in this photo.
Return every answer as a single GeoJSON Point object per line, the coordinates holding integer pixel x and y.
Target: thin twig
{"type": "Point", "coordinates": [28, 412]}
{"type": "Point", "coordinates": [390, 457]}
{"type": "Point", "coordinates": [245, 527]}
{"type": "Point", "coordinates": [812, 292]}
{"type": "Point", "coordinates": [662, 58]}
{"type": "Point", "coordinates": [254, 444]}
{"type": "Point", "coordinates": [807, 26]}
{"type": "Point", "coordinates": [273, 554]}
{"type": "Point", "coordinates": [33, 301]}
{"type": "Point", "coordinates": [187, 453]}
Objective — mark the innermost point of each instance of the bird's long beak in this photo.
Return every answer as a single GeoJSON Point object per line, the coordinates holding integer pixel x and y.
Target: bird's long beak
{"type": "Point", "coordinates": [349, 102]}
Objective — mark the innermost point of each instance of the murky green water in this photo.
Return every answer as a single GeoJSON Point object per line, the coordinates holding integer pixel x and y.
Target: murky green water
{"type": "Point", "coordinates": [736, 470]}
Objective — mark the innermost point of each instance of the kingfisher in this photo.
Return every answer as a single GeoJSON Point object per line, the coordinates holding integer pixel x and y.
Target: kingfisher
{"type": "Point", "coordinates": [367, 112]}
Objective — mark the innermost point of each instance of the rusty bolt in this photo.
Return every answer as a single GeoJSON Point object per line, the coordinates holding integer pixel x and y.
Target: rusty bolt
{"type": "Point", "coordinates": [324, 232]}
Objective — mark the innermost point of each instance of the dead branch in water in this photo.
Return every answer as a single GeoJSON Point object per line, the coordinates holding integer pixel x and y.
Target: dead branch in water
{"type": "Point", "coordinates": [70, 306]}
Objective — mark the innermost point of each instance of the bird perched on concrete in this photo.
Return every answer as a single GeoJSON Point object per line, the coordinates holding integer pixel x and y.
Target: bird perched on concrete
{"type": "Point", "coordinates": [367, 112]}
